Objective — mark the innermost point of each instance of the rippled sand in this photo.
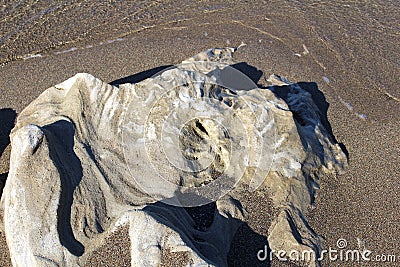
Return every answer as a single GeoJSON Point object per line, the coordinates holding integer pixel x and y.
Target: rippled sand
{"type": "Point", "coordinates": [350, 49]}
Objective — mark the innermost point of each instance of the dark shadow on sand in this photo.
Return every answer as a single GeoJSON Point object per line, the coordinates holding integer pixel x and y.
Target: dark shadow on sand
{"type": "Point", "coordinates": [245, 244]}
{"type": "Point", "coordinates": [317, 96]}
{"type": "Point", "coordinates": [320, 101]}
{"type": "Point", "coordinates": [138, 77]}
{"type": "Point", "coordinates": [3, 179]}
{"type": "Point", "coordinates": [245, 247]}
{"type": "Point", "coordinates": [251, 72]}
{"type": "Point", "coordinates": [7, 120]}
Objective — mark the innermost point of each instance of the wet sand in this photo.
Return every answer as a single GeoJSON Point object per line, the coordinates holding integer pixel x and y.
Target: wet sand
{"type": "Point", "coordinates": [351, 51]}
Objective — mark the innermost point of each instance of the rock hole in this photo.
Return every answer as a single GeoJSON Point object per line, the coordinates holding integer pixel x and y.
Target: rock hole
{"type": "Point", "coordinates": [201, 127]}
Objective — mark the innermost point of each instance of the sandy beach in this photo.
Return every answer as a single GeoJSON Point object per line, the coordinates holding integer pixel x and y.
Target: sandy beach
{"type": "Point", "coordinates": [351, 50]}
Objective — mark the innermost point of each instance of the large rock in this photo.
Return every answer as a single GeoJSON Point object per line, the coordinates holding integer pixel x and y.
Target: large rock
{"type": "Point", "coordinates": [88, 157]}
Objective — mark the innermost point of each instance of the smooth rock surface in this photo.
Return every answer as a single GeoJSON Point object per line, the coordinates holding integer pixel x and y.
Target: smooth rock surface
{"type": "Point", "coordinates": [88, 157]}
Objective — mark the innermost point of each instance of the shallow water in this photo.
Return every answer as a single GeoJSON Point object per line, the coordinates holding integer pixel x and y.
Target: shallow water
{"type": "Point", "coordinates": [30, 27]}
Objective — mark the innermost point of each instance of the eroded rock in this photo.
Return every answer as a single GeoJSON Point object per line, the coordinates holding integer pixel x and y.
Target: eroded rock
{"type": "Point", "coordinates": [88, 157]}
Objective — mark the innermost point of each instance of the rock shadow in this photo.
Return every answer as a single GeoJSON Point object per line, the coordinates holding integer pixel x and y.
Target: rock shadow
{"type": "Point", "coordinates": [317, 96]}
{"type": "Point", "coordinates": [319, 100]}
{"type": "Point", "coordinates": [138, 77]}
{"type": "Point", "coordinates": [7, 121]}
{"type": "Point", "coordinates": [251, 72]}
{"type": "Point", "coordinates": [60, 135]}
{"type": "Point", "coordinates": [245, 244]}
